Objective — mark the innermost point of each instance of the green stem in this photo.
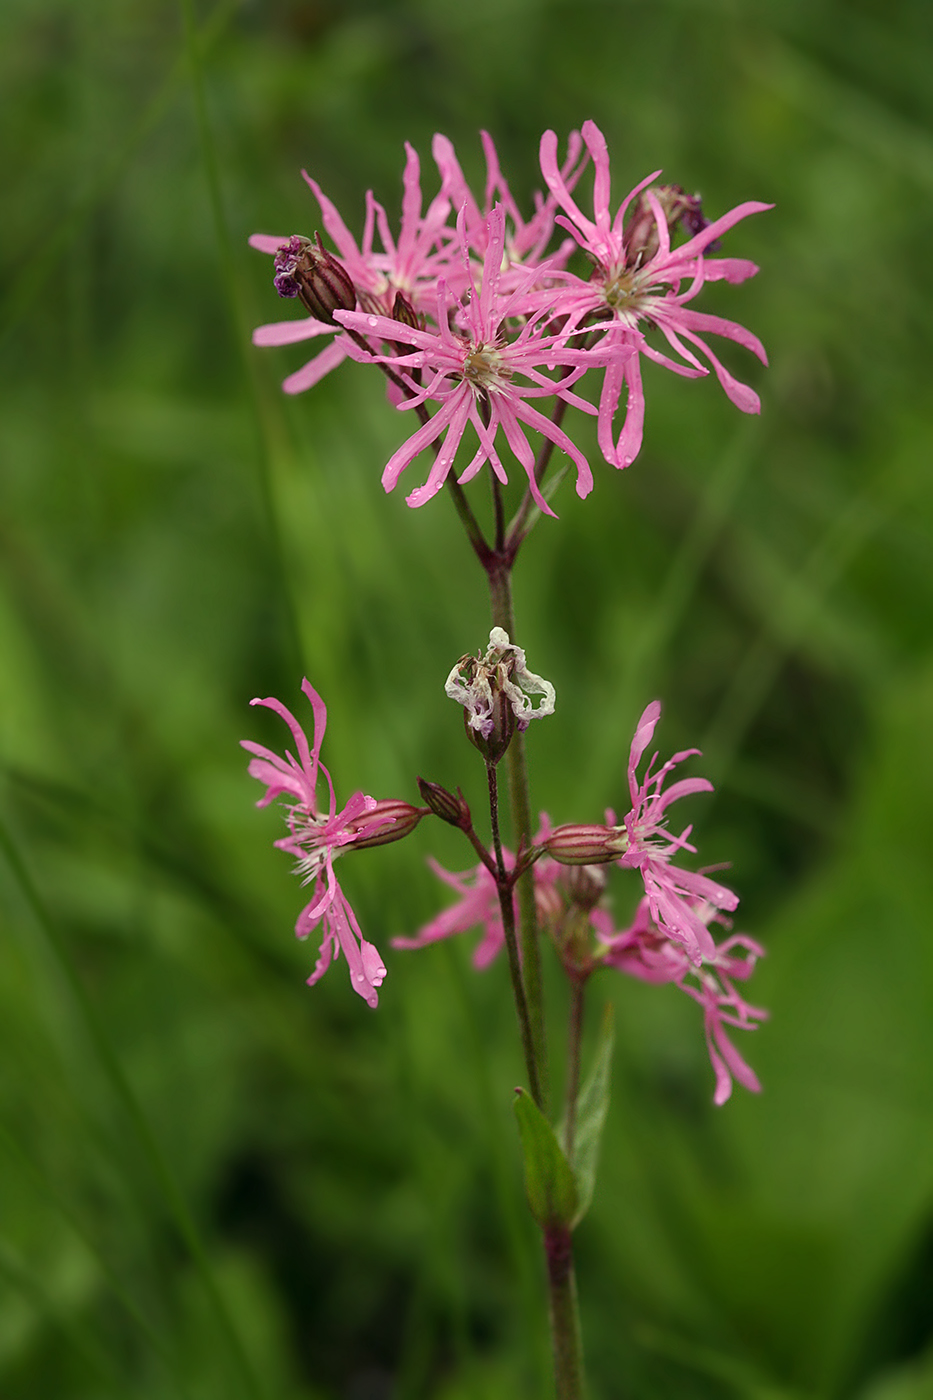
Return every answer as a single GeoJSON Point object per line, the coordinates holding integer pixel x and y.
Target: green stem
{"type": "Point", "coordinates": [468, 520]}
{"type": "Point", "coordinates": [462, 506]}
{"type": "Point", "coordinates": [565, 1319]}
{"type": "Point", "coordinates": [574, 1035]}
{"type": "Point", "coordinates": [505, 886]}
{"type": "Point", "coordinates": [521, 523]}
{"type": "Point", "coordinates": [498, 512]}
{"type": "Point", "coordinates": [500, 588]}
{"type": "Point", "coordinates": [528, 512]}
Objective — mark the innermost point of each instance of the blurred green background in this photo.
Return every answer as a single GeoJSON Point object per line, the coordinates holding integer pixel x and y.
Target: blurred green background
{"type": "Point", "coordinates": [217, 1183]}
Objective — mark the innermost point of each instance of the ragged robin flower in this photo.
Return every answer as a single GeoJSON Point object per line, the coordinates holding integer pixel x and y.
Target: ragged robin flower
{"type": "Point", "coordinates": [647, 846]}
{"type": "Point", "coordinates": [478, 371]}
{"type": "Point", "coordinates": [316, 837]}
{"type": "Point", "coordinates": [644, 951]}
{"type": "Point", "coordinates": [642, 842]}
{"type": "Point", "coordinates": [641, 282]}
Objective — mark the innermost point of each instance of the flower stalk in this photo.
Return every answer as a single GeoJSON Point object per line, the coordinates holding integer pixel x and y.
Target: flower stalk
{"type": "Point", "coordinates": [499, 575]}
{"type": "Point", "coordinates": [564, 1313]}
{"type": "Point", "coordinates": [574, 1039]}
{"type": "Point", "coordinates": [505, 885]}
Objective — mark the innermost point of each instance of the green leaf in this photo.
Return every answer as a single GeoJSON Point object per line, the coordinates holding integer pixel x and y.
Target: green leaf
{"type": "Point", "coordinates": [592, 1107]}
{"type": "Point", "coordinates": [552, 1192]}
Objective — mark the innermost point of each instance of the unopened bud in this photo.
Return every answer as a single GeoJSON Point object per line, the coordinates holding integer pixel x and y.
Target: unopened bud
{"type": "Point", "coordinates": [581, 844]}
{"type": "Point", "coordinates": [444, 805]}
{"type": "Point", "coordinates": [403, 311]}
{"type": "Point", "coordinates": [641, 232]}
{"type": "Point", "coordinates": [390, 820]}
{"type": "Point", "coordinates": [574, 944]}
{"type": "Point", "coordinates": [585, 885]}
{"type": "Point", "coordinates": [315, 276]}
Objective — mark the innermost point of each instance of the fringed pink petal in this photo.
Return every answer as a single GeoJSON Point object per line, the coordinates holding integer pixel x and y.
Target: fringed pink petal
{"type": "Point", "coordinates": [290, 332]}
{"type": "Point", "coordinates": [298, 734]}
{"type": "Point", "coordinates": [314, 371]}
{"type": "Point", "coordinates": [644, 732]}
{"type": "Point", "coordinates": [267, 242]}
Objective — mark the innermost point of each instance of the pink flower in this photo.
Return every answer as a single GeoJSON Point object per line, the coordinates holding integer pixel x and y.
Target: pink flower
{"type": "Point", "coordinates": [315, 839]}
{"type": "Point", "coordinates": [477, 907]}
{"type": "Point", "coordinates": [637, 280]}
{"type": "Point", "coordinates": [643, 951]}
{"type": "Point", "coordinates": [723, 1006]}
{"type": "Point", "coordinates": [525, 242]}
{"type": "Point", "coordinates": [647, 846]}
{"type": "Point", "coordinates": [472, 375]}
{"type": "Point", "coordinates": [409, 265]}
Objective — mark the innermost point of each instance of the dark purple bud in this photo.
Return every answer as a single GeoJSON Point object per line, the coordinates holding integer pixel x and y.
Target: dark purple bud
{"type": "Point", "coordinates": [402, 310]}
{"type": "Point", "coordinates": [444, 805]}
{"type": "Point", "coordinates": [366, 301]}
{"type": "Point", "coordinates": [313, 274]}
{"type": "Point", "coordinates": [641, 231]}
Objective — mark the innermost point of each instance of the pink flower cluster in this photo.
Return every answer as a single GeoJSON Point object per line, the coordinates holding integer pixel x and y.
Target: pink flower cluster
{"type": "Point", "coordinates": [470, 314]}
{"type": "Point", "coordinates": [478, 907]}
{"type": "Point", "coordinates": [669, 940]}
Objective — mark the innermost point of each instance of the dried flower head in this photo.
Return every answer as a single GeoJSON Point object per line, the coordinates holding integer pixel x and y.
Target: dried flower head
{"type": "Point", "coordinates": [495, 691]}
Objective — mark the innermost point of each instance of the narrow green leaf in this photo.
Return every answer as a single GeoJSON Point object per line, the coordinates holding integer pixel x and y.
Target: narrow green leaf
{"type": "Point", "coordinates": [592, 1107]}
{"type": "Point", "coordinates": [552, 1194]}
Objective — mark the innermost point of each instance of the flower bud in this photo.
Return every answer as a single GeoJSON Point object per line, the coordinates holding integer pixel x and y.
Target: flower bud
{"type": "Point", "coordinates": [444, 805]}
{"type": "Point", "coordinates": [641, 232]}
{"type": "Point", "coordinates": [402, 310]}
{"type": "Point", "coordinates": [582, 844]}
{"type": "Point", "coordinates": [389, 820]}
{"type": "Point", "coordinates": [315, 276]}
{"type": "Point", "coordinates": [575, 944]}
{"type": "Point", "coordinates": [585, 885]}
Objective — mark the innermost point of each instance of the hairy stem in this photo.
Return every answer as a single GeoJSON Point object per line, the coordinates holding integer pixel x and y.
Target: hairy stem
{"type": "Point", "coordinates": [468, 520]}
{"type": "Point", "coordinates": [498, 511]}
{"type": "Point", "coordinates": [505, 887]}
{"type": "Point", "coordinates": [461, 504]}
{"type": "Point", "coordinates": [565, 1320]}
{"type": "Point", "coordinates": [574, 1035]}
{"type": "Point", "coordinates": [520, 526]}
